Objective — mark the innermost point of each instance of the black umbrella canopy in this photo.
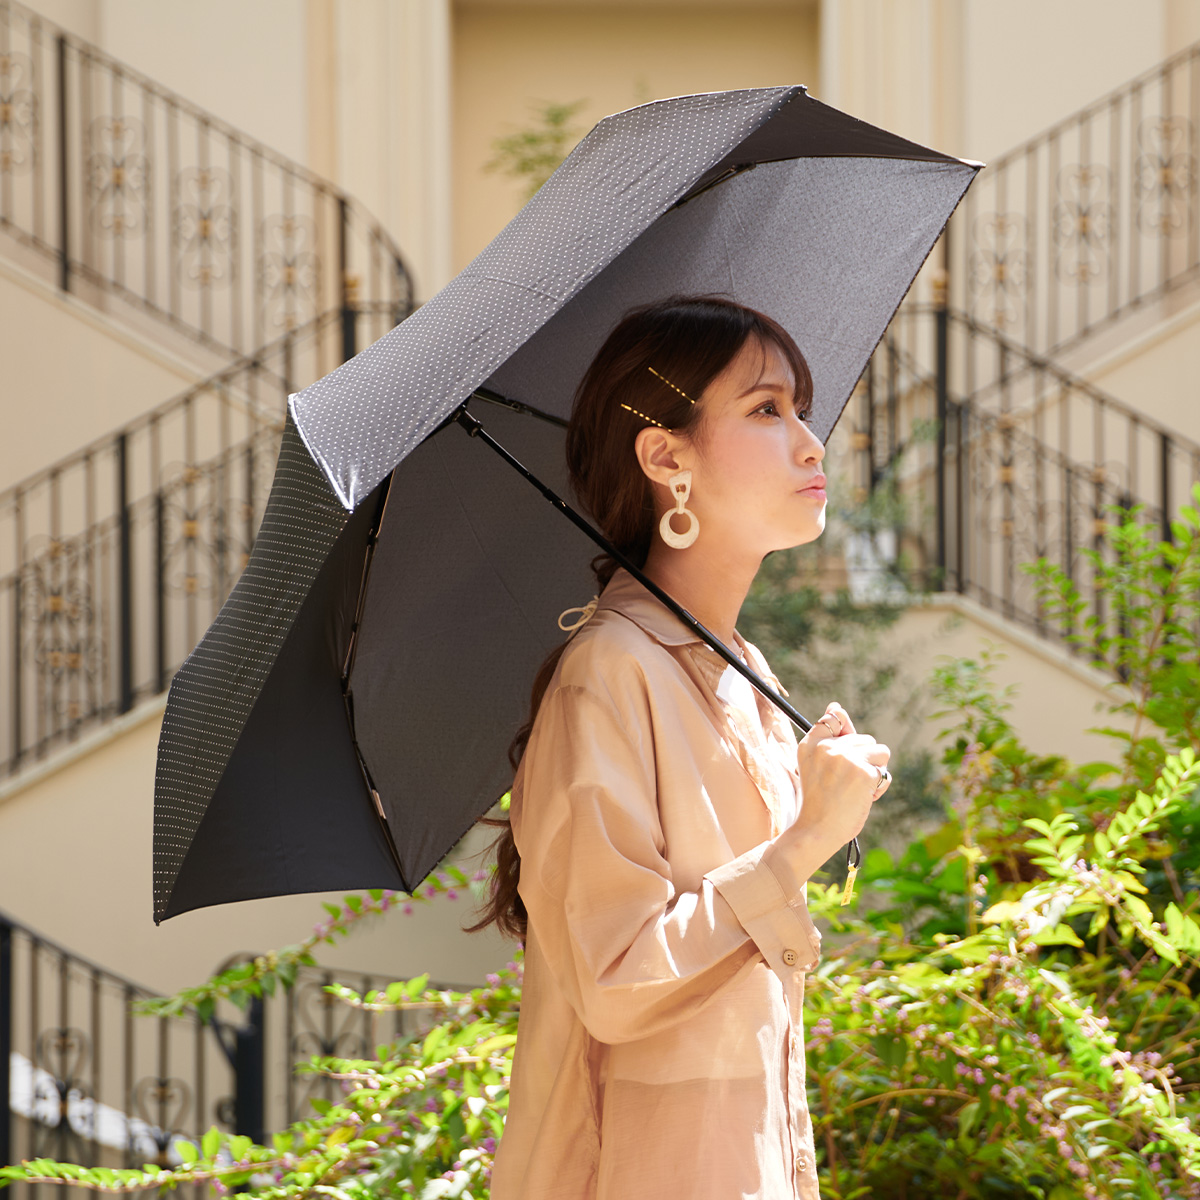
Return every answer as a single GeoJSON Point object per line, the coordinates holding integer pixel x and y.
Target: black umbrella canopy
{"type": "Point", "coordinates": [346, 718]}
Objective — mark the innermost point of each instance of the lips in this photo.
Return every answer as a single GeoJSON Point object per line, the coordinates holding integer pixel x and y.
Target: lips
{"type": "Point", "coordinates": [817, 485]}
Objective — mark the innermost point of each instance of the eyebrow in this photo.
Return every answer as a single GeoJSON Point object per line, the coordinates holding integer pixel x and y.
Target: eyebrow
{"type": "Point", "coordinates": [761, 386]}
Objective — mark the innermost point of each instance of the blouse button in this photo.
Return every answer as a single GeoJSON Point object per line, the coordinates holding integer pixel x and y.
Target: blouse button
{"type": "Point", "coordinates": [789, 957]}
{"type": "Point", "coordinates": [801, 1164]}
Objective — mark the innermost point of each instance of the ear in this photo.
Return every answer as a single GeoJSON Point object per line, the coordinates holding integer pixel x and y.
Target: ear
{"type": "Point", "coordinates": [660, 453]}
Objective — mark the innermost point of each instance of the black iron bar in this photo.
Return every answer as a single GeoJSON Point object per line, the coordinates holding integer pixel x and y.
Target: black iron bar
{"type": "Point", "coordinates": [64, 195]}
{"type": "Point", "coordinates": [349, 316]}
{"type": "Point", "coordinates": [942, 368]}
{"type": "Point", "coordinates": [250, 1069]}
{"type": "Point", "coordinates": [124, 578]}
{"type": "Point", "coordinates": [6, 1042]}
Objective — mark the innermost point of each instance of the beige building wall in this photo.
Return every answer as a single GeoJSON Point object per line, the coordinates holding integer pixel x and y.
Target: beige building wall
{"type": "Point", "coordinates": [509, 58]}
{"type": "Point", "coordinates": [69, 373]}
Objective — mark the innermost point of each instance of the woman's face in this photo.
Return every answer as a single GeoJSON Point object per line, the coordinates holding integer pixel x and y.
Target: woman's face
{"type": "Point", "coordinates": [757, 483]}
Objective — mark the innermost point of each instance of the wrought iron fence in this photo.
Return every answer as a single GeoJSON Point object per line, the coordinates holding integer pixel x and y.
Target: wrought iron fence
{"type": "Point", "coordinates": [126, 191]}
{"type": "Point", "coordinates": [1090, 219]}
{"type": "Point", "coordinates": [90, 1082]}
{"type": "Point", "coordinates": [115, 560]}
{"type": "Point", "coordinates": [1001, 457]}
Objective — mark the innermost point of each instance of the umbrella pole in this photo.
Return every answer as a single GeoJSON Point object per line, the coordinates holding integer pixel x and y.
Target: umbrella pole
{"type": "Point", "coordinates": [476, 430]}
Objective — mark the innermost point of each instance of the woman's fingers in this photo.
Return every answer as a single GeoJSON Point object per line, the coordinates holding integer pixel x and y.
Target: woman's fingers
{"type": "Point", "coordinates": [836, 710]}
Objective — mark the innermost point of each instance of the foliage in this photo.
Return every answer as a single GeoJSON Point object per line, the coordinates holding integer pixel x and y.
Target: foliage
{"type": "Point", "coordinates": [1013, 1014]}
{"type": "Point", "coordinates": [532, 155]}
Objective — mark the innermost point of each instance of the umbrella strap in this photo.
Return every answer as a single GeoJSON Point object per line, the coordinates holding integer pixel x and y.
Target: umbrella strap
{"type": "Point", "coordinates": [476, 430]}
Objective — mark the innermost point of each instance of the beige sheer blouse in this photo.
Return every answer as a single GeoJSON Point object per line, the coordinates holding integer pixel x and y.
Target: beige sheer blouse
{"type": "Point", "coordinates": [660, 1049]}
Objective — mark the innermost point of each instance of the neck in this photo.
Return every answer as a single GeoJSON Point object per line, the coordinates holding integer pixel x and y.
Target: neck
{"type": "Point", "coordinates": [711, 587]}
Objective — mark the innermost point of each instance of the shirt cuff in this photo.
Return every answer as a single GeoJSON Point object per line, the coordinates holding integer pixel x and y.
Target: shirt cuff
{"type": "Point", "coordinates": [781, 929]}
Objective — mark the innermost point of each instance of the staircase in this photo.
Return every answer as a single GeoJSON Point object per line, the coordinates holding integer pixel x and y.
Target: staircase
{"type": "Point", "coordinates": [1089, 222]}
{"type": "Point", "coordinates": [147, 206]}
{"type": "Point", "coordinates": [115, 559]}
{"type": "Point", "coordinates": [1066, 248]}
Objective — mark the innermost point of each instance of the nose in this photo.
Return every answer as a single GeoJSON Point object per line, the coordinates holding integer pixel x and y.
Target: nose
{"type": "Point", "coordinates": [808, 447]}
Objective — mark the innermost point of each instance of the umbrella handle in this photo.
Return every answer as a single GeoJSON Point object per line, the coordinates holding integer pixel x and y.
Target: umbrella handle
{"type": "Point", "coordinates": [476, 430]}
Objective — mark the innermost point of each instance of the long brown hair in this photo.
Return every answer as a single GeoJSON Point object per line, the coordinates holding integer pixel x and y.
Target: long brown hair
{"type": "Point", "coordinates": [689, 340]}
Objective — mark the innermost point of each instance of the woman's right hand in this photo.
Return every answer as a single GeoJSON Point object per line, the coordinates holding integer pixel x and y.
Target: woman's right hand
{"type": "Point", "coordinates": [839, 782]}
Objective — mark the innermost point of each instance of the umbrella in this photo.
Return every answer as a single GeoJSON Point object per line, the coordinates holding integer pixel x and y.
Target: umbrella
{"type": "Point", "coordinates": [346, 718]}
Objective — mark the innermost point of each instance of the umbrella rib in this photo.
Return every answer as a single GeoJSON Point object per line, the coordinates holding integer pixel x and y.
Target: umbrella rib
{"type": "Point", "coordinates": [482, 393]}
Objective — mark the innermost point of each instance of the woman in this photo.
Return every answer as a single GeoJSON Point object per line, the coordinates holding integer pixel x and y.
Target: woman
{"type": "Point", "coordinates": [664, 821]}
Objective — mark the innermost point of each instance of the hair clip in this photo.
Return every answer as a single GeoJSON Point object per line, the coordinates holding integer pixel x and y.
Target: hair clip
{"type": "Point", "coordinates": [671, 385]}
{"type": "Point", "coordinates": [644, 417]}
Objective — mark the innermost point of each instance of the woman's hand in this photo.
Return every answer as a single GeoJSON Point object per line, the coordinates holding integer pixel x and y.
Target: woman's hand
{"type": "Point", "coordinates": [840, 779]}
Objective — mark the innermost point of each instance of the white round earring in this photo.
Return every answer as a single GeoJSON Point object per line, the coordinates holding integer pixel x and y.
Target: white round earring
{"type": "Point", "coordinates": [681, 489]}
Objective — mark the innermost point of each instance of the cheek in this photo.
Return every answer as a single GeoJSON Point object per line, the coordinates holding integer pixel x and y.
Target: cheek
{"type": "Point", "coordinates": [746, 462]}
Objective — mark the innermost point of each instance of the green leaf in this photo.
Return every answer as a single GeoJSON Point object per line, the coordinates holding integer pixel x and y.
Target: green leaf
{"type": "Point", "coordinates": [187, 1151]}
{"type": "Point", "coordinates": [968, 1115]}
{"type": "Point", "coordinates": [210, 1143]}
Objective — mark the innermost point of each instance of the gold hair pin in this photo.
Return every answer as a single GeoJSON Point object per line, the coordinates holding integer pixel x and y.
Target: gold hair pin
{"type": "Point", "coordinates": [671, 385]}
{"type": "Point", "coordinates": [643, 416]}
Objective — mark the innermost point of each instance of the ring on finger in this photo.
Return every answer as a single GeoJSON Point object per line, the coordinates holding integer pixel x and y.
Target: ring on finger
{"type": "Point", "coordinates": [885, 777]}
{"type": "Point", "coordinates": [826, 721]}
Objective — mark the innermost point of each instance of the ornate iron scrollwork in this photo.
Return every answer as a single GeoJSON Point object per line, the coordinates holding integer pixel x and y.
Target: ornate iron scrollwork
{"type": "Point", "coordinates": [999, 268]}
{"type": "Point", "coordinates": [63, 1108]}
{"type": "Point", "coordinates": [324, 1027]}
{"type": "Point", "coordinates": [1165, 174]}
{"type": "Point", "coordinates": [58, 610]}
{"type": "Point", "coordinates": [203, 543]}
{"type": "Point", "coordinates": [118, 173]}
{"type": "Point", "coordinates": [18, 113]}
{"type": "Point", "coordinates": [205, 226]}
{"type": "Point", "coordinates": [289, 271]}
{"type": "Point", "coordinates": [161, 1105]}
{"type": "Point", "coordinates": [1082, 223]}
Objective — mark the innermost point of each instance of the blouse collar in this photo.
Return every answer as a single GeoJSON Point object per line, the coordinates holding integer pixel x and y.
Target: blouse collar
{"type": "Point", "coordinates": [626, 595]}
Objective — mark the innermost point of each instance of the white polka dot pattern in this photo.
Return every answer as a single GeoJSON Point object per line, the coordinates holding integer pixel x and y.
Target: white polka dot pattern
{"type": "Point", "coordinates": [213, 692]}
{"type": "Point", "coordinates": [362, 419]}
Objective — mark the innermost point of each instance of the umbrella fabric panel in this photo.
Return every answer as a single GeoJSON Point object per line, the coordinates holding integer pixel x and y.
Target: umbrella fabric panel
{"type": "Point", "coordinates": [471, 571]}
{"type": "Point", "coordinates": [827, 246]}
{"type": "Point", "coordinates": [214, 691]}
{"type": "Point", "coordinates": [362, 419]}
{"type": "Point", "coordinates": [806, 128]}
{"type": "Point", "coordinates": [292, 812]}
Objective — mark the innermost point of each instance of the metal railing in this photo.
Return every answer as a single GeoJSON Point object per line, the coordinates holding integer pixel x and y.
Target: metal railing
{"type": "Point", "coordinates": [115, 560]}
{"type": "Point", "coordinates": [1089, 220]}
{"type": "Point", "coordinates": [90, 1082]}
{"type": "Point", "coordinates": [128, 194]}
{"type": "Point", "coordinates": [1001, 457]}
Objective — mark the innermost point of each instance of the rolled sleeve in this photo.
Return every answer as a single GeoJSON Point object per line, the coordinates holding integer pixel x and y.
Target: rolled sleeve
{"type": "Point", "coordinates": [782, 930]}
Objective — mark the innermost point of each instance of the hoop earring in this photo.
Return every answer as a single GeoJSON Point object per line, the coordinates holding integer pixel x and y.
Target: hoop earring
{"type": "Point", "coordinates": [681, 489]}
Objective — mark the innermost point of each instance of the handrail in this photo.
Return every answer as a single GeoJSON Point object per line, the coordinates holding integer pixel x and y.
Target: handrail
{"type": "Point", "coordinates": [85, 1080]}
{"type": "Point", "coordinates": [999, 467]}
{"type": "Point", "coordinates": [116, 184]}
{"type": "Point", "coordinates": [115, 559]}
{"type": "Point", "coordinates": [1089, 219]}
